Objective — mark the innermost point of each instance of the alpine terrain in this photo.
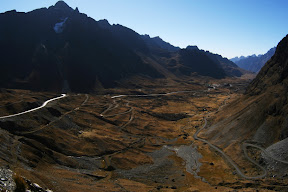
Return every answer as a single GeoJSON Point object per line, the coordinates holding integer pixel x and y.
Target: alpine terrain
{"type": "Point", "coordinates": [90, 106]}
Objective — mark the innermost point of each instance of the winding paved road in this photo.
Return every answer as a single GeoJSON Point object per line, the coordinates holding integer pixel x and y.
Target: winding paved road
{"type": "Point", "coordinates": [245, 144]}
{"type": "Point", "coordinates": [195, 136]}
{"type": "Point", "coordinates": [35, 109]}
{"type": "Point", "coordinates": [151, 95]}
{"type": "Point", "coordinates": [58, 119]}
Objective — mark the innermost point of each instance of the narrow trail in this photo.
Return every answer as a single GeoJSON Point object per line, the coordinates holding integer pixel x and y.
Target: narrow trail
{"type": "Point", "coordinates": [52, 122]}
{"type": "Point", "coordinates": [138, 143]}
{"type": "Point", "coordinates": [236, 167]}
{"type": "Point", "coordinates": [15, 148]}
{"type": "Point", "coordinates": [35, 109]}
{"type": "Point", "coordinates": [116, 105]}
{"type": "Point", "coordinates": [152, 95]}
{"type": "Point", "coordinates": [195, 136]}
{"type": "Point", "coordinates": [244, 146]}
{"type": "Point", "coordinates": [141, 138]}
{"type": "Point", "coordinates": [112, 106]}
{"type": "Point", "coordinates": [131, 110]}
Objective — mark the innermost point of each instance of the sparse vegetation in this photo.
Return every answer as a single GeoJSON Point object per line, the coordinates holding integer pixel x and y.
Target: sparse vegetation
{"type": "Point", "coordinates": [75, 137]}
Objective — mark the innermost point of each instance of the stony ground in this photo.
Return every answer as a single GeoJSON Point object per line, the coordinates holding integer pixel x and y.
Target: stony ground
{"type": "Point", "coordinates": [6, 179]}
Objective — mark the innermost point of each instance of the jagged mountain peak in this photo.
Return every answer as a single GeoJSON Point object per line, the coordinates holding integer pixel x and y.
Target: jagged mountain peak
{"type": "Point", "coordinates": [158, 42]}
{"type": "Point", "coordinates": [157, 37]}
{"type": "Point", "coordinates": [62, 5]}
{"type": "Point", "coordinates": [104, 23]}
{"type": "Point", "coordinates": [108, 53]}
{"type": "Point", "coordinates": [254, 62]}
{"type": "Point", "coordinates": [192, 47]}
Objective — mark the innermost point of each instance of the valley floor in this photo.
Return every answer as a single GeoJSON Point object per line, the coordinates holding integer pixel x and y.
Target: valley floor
{"type": "Point", "coordinates": [124, 140]}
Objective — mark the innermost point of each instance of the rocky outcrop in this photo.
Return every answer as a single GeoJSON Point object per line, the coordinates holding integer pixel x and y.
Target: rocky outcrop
{"type": "Point", "coordinates": [6, 179]}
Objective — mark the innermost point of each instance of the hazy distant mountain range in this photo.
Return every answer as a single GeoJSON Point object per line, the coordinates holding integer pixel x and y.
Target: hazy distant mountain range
{"type": "Point", "coordinates": [59, 48]}
{"type": "Point", "coordinates": [254, 63]}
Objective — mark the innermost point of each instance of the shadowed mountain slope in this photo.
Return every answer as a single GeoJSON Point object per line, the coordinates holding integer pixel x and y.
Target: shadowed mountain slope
{"type": "Point", "coordinates": [158, 43]}
{"type": "Point", "coordinates": [60, 49]}
{"type": "Point", "coordinates": [47, 47]}
{"type": "Point", "coordinates": [230, 68]}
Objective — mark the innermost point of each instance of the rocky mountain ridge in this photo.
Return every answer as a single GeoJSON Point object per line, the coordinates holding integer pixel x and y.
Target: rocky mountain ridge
{"type": "Point", "coordinates": [254, 62]}
{"type": "Point", "coordinates": [60, 49]}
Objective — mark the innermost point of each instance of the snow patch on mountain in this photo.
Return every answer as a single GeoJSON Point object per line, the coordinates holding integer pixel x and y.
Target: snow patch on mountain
{"type": "Point", "coordinates": [59, 27]}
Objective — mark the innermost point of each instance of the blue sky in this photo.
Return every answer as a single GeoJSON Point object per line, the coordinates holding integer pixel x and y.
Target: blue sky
{"type": "Point", "coordinates": [227, 27]}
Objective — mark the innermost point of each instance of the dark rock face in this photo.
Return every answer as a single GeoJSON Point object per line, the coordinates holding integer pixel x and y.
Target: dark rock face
{"type": "Point", "coordinates": [45, 48]}
{"type": "Point", "coordinates": [275, 71]}
{"type": "Point", "coordinates": [157, 43]}
{"type": "Point", "coordinates": [192, 60]}
{"type": "Point", "coordinates": [197, 61]}
{"type": "Point", "coordinates": [230, 68]}
{"type": "Point", "coordinates": [254, 63]}
{"type": "Point", "coordinates": [190, 47]}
